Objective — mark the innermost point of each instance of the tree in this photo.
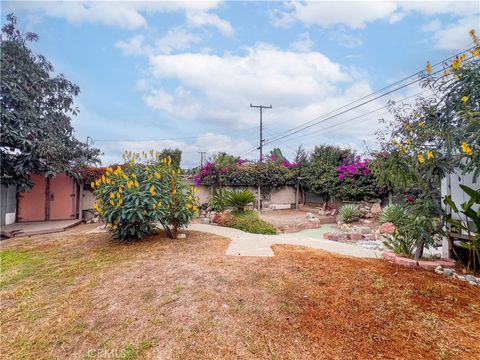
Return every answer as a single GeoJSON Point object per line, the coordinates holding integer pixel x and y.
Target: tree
{"type": "Point", "coordinates": [429, 139]}
{"type": "Point", "coordinates": [36, 131]}
{"type": "Point", "coordinates": [175, 155]}
{"type": "Point", "coordinates": [223, 159]}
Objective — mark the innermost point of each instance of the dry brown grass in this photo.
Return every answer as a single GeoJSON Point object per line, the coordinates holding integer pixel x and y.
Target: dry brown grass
{"type": "Point", "coordinates": [69, 293]}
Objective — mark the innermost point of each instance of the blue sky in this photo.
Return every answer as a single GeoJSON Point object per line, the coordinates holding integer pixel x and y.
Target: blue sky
{"type": "Point", "coordinates": [182, 74]}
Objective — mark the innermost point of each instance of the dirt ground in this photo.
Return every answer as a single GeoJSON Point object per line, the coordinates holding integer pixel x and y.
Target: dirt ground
{"type": "Point", "coordinates": [289, 217]}
{"type": "Point", "coordinates": [80, 296]}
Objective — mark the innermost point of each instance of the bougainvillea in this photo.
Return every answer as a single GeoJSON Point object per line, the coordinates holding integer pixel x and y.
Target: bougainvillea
{"type": "Point", "coordinates": [356, 169]}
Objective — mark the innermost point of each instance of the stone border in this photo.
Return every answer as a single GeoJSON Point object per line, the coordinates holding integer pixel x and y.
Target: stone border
{"type": "Point", "coordinates": [429, 265]}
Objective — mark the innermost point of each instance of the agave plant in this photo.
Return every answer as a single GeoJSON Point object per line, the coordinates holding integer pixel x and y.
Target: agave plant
{"type": "Point", "coordinates": [349, 213]}
{"type": "Point", "coordinates": [239, 199]}
{"type": "Point", "coordinates": [395, 214]}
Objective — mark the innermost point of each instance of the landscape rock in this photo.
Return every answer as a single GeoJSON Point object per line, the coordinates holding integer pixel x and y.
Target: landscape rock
{"type": "Point", "coordinates": [470, 278]}
{"type": "Point", "coordinates": [387, 228]}
{"type": "Point", "coordinates": [376, 209]}
{"type": "Point", "coordinates": [181, 236]}
{"type": "Point", "coordinates": [448, 272]}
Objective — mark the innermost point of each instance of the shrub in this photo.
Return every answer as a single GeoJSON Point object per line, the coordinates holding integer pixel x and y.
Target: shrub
{"type": "Point", "coordinates": [144, 191]}
{"type": "Point", "coordinates": [349, 213]}
{"type": "Point", "coordinates": [218, 202]}
{"type": "Point", "coordinates": [401, 242]}
{"type": "Point", "coordinates": [248, 221]}
{"type": "Point", "coordinates": [239, 199]}
{"type": "Point", "coordinates": [396, 214]}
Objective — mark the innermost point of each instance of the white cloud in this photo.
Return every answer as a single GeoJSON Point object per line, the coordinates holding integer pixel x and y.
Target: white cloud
{"type": "Point", "coordinates": [201, 19]}
{"type": "Point", "coordinates": [303, 44]}
{"type": "Point", "coordinates": [356, 14]}
{"type": "Point", "coordinates": [209, 142]}
{"type": "Point", "coordinates": [125, 14]}
{"type": "Point", "coordinates": [353, 14]}
{"type": "Point", "coordinates": [433, 25]}
{"type": "Point", "coordinates": [455, 36]}
{"type": "Point", "coordinates": [174, 40]}
{"type": "Point", "coordinates": [345, 39]}
{"type": "Point", "coordinates": [134, 46]}
{"type": "Point", "coordinates": [217, 90]}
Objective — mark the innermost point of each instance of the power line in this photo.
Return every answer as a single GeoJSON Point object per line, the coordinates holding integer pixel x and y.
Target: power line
{"type": "Point", "coordinates": [290, 132]}
{"type": "Point", "coordinates": [306, 126]}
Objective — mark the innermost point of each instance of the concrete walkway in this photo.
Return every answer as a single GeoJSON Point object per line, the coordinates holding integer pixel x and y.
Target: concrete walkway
{"type": "Point", "coordinates": [246, 244]}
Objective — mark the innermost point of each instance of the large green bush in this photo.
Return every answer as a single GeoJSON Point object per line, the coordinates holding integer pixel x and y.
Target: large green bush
{"type": "Point", "coordinates": [247, 221]}
{"type": "Point", "coordinates": [146, 190]}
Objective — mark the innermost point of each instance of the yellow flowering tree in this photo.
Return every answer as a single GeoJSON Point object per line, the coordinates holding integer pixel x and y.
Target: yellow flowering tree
{"type": "Point", "coordinates": [432, 137]}
{"type": "Point", "coordinates": [144, 193]}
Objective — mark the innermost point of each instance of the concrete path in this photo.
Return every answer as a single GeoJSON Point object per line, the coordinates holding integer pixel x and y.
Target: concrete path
{"type": "Point", "coordinates": [246, 244]}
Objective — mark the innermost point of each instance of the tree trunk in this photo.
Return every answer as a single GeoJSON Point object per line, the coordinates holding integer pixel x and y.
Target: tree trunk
{"type": "Point", "coordinates": [419, 251]}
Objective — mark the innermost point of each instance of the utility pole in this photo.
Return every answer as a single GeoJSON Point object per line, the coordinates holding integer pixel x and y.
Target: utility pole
{"type": "Point", "coordinates": [261, 107]}
{"type": "Point", "coordinates": [202, 153]}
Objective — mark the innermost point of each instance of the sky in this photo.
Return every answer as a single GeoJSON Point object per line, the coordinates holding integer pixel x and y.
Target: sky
{"type": "Point", "coordinates": [174, 74]}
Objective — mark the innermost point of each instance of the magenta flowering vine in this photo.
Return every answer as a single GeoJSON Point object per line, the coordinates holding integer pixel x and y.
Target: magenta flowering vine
{"type": "Point", "coordinates": [355, 169]}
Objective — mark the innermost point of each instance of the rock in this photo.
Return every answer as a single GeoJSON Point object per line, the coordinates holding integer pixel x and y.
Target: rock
{"type": "Point", "coordinates": [448, 272]}
{"type": "Point", "coordinates": [309, 215]}
{"type": "Point", "coordinates": [368, 215]}
{"type": "Point", "coordinates": [205, 220]}
{"type": "Point", "coordinates": [472, 283]}
{"type": "Point", "coordinates": [439, 268]}
{"type": "Point", "coordinates": [334, 212]}
{"type": "Point", "coordinates": [470, 278]}
{"type": "Point", "coordinates": [314, 220]}
{"type": "Point", "coordinates": [364, 230]}
{"type": "Point", "coordinates": [366, 221]}
{"type": "Point", "coordinates": [322, 212]}
{"type": "Point", "coordinates": [387, 228]}
{"type": "Point", "coordinates": [376, 209]}
{"type": "Point", "coordinates": [181, 236]}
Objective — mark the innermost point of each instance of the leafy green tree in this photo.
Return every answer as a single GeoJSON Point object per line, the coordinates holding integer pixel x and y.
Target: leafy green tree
{"type": "Point", "coordinates": [429, 139]}
{"type": "Point", "coordinates": [223, 159]}
{"type": "Point", "coordinates": [175, 155]}
{"type": "Point", "coordinates": [36, 131]}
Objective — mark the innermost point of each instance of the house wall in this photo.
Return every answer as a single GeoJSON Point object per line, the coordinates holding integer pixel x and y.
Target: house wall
{"type": "Point", "coordinates": [8, 204]}
{"type": "Point", "coordinates": [451, 186]}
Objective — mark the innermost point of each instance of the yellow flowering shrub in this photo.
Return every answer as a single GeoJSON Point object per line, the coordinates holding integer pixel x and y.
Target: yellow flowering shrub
{"type": "Point", "coordinates": [142, 194]}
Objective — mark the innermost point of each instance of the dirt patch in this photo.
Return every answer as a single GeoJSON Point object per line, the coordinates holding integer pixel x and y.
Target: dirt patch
{"type": "Point", "coordinates": [92, 297]}
{"type": "Point", "coordinates": [293, 219]}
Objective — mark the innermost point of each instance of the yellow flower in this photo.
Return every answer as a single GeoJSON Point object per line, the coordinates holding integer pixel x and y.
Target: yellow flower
{"type": "Point", "coordinates": [136, 183]}
{"type": "Point", "coordinates": [467, 149]}
{"type": "Point", "coordinates": [421, 124]}
{"type": "Point", "coordinates": [195, 208]}
{"type": "Point", "coordinates": [120, 190]}
{"type": "Point", "coordinates": [456, 63]}
{"type": "Point", "coordinates": [430, 154]}
{"type": "Point", "coordinates": [465, 99]}
{"type": "Point", "coordinates": [112, 195]}
{"type": "Point", "coordinates": [134, 175]}
{"type": "Point", "coordinates": [120, 202]}
{"type": "Point", "coordinates": [92, 184]}
{"type": "Point", "coordinates": [108, 181]}
{"type": "Point", "coordinates": [111, 202]}
{"type": "Point", "coordinates": [119, 169]}
{"type": "Point", "coordinates": [428, 68]}
{"type": "Point", "coordinates": [154, 206]}
{"type": "Point", "coordinates": [157, 175]}
{"type": "Point", "coordinates": [109, 169]}
{"type": "Point", "coordinates": [420, 158]}
{"type": "Point", "coordinates": [476, 52]}
{"type": "Point", "coordinates": [119, 196]}
{"type": "Point", "coordinates": [103, 179]}
{"type": "Point", "coordinates": [189, 206]}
